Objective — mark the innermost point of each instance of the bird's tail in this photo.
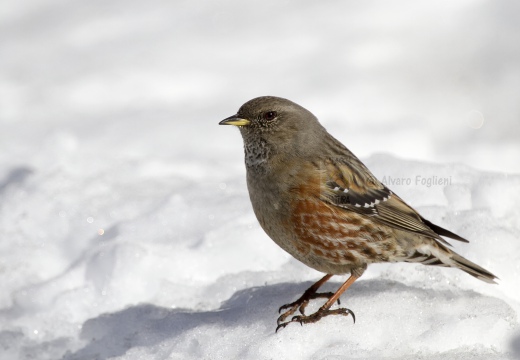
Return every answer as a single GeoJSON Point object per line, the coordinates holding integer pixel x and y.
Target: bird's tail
{"type": "Point", "coordinates": [437, 254]}
{"type": "Point", "coordinates": [472, 268]}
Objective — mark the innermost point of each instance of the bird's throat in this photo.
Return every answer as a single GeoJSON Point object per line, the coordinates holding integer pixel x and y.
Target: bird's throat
{"type": "Point", "coordinates": [256, 153]}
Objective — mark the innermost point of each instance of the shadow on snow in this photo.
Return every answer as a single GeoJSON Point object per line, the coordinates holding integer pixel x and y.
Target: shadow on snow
{"type": "Point", "coordinates": [145, 325]}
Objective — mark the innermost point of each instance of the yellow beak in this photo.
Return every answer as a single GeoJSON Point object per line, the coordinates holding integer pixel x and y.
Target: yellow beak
{"type": "Point", "coordinates": [235, 120]}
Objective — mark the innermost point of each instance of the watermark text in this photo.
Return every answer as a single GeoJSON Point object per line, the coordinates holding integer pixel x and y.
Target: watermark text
{"type": "Point", "coordinates": [418, 180]}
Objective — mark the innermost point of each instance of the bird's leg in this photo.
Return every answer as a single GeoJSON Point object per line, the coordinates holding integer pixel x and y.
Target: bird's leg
{"type": "Point", "coordinates": [325, 309]}
{"type": "Point", "coordinates": [302, 302]}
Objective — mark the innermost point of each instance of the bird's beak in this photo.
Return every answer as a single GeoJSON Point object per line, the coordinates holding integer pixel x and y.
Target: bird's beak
{"type": "Point", "coordinates": [235, 120]}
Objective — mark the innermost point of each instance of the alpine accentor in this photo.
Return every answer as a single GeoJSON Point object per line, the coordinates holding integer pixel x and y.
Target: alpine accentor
{"type": "Point", "coordinates": [319, 203]}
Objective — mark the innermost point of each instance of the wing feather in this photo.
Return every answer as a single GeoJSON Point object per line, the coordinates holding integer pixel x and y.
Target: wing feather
{"type": "Point", "coordinates": [346, 188]}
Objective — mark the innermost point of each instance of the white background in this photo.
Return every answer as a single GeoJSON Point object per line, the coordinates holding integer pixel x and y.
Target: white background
{"type": "Point", "coordinates": [126, 230]}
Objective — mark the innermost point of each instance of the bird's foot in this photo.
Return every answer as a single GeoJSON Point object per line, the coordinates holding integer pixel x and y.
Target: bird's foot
{"type": "Point", "coordinates": [301, 304]}
{"type": "Point", "coordinates": [322, 312]}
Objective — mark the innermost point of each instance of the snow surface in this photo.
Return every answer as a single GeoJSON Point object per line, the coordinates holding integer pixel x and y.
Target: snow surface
{"type": "Point", "coordinates": [126, 228]}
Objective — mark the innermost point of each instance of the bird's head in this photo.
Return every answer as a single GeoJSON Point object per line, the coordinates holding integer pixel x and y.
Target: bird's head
{"type": "Point", "coordinates": [282, 124]}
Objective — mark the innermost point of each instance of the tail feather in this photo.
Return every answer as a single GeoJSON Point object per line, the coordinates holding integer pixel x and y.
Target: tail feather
{"type": "Point", "coordinates": [439, 255]}
{"type": "Point", "coordinates": [473, 269]}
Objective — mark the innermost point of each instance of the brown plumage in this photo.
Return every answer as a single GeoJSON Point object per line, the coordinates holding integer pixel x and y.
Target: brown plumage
{"type": "Point", "coordinates": [321, 204]}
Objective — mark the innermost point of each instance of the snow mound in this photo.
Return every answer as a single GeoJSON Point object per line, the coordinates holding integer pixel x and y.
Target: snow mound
{"type": "Point", "coordinates": [189, 274]}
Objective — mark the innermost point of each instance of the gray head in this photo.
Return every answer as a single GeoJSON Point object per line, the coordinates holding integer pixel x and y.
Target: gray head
{"type": "Point", "coordinates": [279, 124]}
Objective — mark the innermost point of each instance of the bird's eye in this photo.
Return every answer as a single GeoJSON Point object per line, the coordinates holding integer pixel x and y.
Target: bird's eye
{"type": "Point", "coordinates": [270, 115]}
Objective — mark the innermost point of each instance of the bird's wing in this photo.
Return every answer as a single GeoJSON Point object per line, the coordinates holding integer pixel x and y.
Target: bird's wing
{"type": "Point", "coordinates": [353, 188]}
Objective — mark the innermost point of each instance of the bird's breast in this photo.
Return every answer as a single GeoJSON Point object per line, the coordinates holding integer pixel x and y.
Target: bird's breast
{"type": "Point", "coordinates": [274, 195]}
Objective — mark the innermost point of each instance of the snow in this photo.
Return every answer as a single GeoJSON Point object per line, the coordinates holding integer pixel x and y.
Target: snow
{"type": "Point", "coordinates": [126, 228]}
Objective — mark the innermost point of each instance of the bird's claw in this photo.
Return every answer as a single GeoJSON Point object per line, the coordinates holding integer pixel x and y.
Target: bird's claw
{"type": "Point", "coordinates": [300, 305]}
{"type": "Point", "coordinates": [308, 319]}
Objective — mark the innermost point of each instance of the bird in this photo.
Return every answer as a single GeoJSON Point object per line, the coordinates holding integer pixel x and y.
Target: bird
{"type": "Point", "coordinates": [317, 201]}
